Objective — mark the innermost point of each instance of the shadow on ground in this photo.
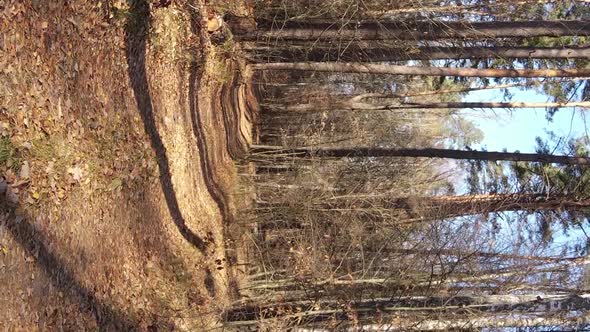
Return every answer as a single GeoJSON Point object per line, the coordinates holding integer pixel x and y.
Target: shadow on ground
{"type": "Point", "coordinates": [135, 41]}
{"type": "Point", "coordinates": [61, 277]}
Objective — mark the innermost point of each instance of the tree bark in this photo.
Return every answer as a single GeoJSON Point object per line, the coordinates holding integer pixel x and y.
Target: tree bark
{"type": "Point", "coordinates": [423, 30]}
{"type": "Point", "coordinates": [506, 277]}
{"type": "Point", "coordinates": [453, 206]}
{"type": "Point", "coordinates": [499, 321]}
{"type": "Point", "coordinates": [366, 152]}
{"type": "Point", "coordinates": [316, 311]}
{"type": "Point", "coordinates": [574, 261]}
{"type": "Point", "coordinates": [455, 90]}
{"type": "Point", "coordinates": [421, 209]}
{"type": "Point", "coordinates": [385, 54]}
{"type": "Point", "coordinates": [415, 105]}
{"type": "Point", "coordinates": [355, 105]}
{"type": "Point", "coordinates": [422, 7]}
{"type": "Point", "coordinates": [370, 68]}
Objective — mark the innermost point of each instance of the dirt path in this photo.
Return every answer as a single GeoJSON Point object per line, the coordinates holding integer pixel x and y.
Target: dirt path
{"type": "Point", "coordinates": [119, 129]}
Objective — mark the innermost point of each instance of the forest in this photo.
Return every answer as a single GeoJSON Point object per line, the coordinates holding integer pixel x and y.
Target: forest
{"type": "Point", "coordinates": [294, 165]}
{"type": "Point", "coordinates": [372, 210]}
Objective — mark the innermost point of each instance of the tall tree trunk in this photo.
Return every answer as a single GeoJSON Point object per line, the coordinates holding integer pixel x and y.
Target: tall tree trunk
{"type": "Point", "coordinates": [376, 54]}
{"type": "Point", "coordinates": [354, 104]}
{"type": "Point", "coordinates": [422, 7]}
{"type": "Point", "coordinates": [371, 68]}
{"type": "Point", "coordinates": [418, 153]}
{"type": "Point", "coordinates": [504, 277]}
{"type": "Point", "coordinates": [422, 30]}
{"type": "Point", "coordinates": [454, 206]}
{"type": "Point", "coordinates": [459, 306]}
{"type": "Point", "coordinates": [574, 261]}
{"type": "Point", "coordinates": [415, 105]}
{"type": "Point", "coordinates": [499, 321]}
{"type": "Point", "coordinates": [454, 90]}
{"type": "Point", "coordinates": [421, 209]}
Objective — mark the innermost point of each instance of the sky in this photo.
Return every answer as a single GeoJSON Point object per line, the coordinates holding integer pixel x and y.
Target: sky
{"type": "Point", "coordinates": [517, 130]}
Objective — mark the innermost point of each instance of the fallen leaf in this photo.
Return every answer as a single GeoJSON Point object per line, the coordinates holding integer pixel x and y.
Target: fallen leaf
{"type": "Point", "coordinates": [76, 173]}
{"type": "Point", "coordinates": [60, 113]}
{"type": "Point", "coordinates": [49, 168]}
{"type": "Point", "coordinates": [116, 183]}
{"type": "Point", "coordinates": [25, 171]}
{"type": "Point", "coordinates": [10, 176]}
{"type": "Point", "coordinates": [19, 183]}
{"type": "Point", "coordinates": [73, 22]}
{"type": "Point", "coordinates": [4, 129]}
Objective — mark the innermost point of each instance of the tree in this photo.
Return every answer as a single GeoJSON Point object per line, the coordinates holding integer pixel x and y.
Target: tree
{"type": "Point", "coordinates": [421, 30]}
{"type": "Point", "coordinates": [351, 238]}
{"type": "Point", "coordinates": [453, 311]}
{"type": "Point", "coordinates": [355, 104]}
{"type": "Point", "coordinates": [370, 68]}
{"type": "Point", "coordinates": [431, 208]}
{"type": "Point", "coordinates": [354, 152]}
{"type": "Point", "coordinates": [369, 53]}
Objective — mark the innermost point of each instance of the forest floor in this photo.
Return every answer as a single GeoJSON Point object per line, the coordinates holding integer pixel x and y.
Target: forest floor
{"type": "Point", "coordinates": [119, 127]}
